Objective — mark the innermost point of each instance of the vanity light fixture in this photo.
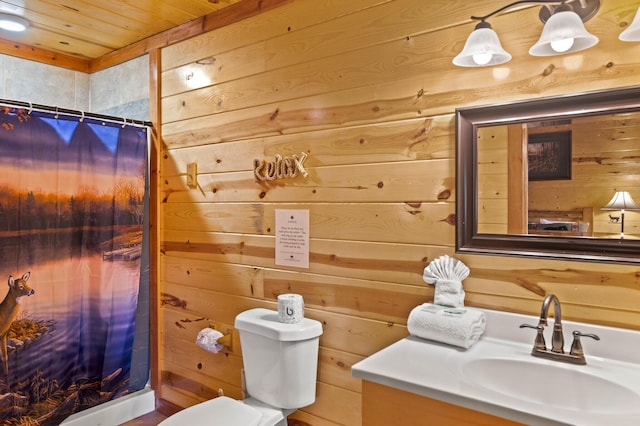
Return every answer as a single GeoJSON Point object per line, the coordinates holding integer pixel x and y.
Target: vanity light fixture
{"type": "Point", "coordinates": [621, 201]}
{"type": "Point", "coordinates": [563, 32]}
{"type": "Point", "coordinates": [482, 48]}
{"type": "Point", "coordinates": [632, 32]}
{"type": "Point", "coordinates": [14, 23]}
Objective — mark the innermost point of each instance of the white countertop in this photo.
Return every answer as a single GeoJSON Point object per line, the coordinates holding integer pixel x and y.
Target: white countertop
{"type": "Point", "coordinates": [436, 371]}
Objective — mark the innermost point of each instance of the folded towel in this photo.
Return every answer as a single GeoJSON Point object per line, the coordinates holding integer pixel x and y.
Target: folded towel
{"type": "Point", "coordinates": [449, 293]}
{"type": "Point", "coordinates": [445, 268]}
{"type": "Point", "coordinates": [451, 300]}
{"type": "Point", "coordinates": [449, 286]}
{"type": "Point", "coordinates": [461, 327]}
{"type": "Point", "coordinates": [447, 275]}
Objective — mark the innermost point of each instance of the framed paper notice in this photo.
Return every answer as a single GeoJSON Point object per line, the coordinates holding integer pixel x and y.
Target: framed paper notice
{"type": "Point", "coordinates": [292, 238]}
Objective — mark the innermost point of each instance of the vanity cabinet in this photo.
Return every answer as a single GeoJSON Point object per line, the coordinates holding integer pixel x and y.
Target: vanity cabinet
{"type": "Point", "coordinates": [383, 406]}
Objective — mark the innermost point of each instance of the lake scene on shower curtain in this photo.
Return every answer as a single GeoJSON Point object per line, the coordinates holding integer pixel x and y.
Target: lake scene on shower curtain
{"type": "Point", "coordinates": [71, 231]}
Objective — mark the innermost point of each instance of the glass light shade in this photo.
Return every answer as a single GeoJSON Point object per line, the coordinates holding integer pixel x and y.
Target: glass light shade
{"type": "Point", "coordinates": [621, 201]}
{"type": "Point", "coordinates": [13, 23]}
{"type": "Point", "coordinates": [482, 48]}
{"type": "Point", "coordinates": [632, 32]}
{"type": "Point", "coordinates": [560, 29]}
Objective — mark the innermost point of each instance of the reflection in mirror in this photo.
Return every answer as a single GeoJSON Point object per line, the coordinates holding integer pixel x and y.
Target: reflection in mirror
{"type": "Point", "coordinates": [533, 177]}
{"type": "Point", "coordinates": [553, 177]}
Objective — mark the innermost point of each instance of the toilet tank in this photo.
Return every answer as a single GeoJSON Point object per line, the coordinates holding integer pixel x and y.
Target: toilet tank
{"type": "Point", "coordinates": [280, 360]}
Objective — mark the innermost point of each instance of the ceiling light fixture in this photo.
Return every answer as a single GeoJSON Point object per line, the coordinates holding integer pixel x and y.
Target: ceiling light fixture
{"type": "Point", "coordinates": [632, 32]}
{"type": "Point", "coordinates": [563, 32]}
{"type": "Point", "coordinates": [13, 22]}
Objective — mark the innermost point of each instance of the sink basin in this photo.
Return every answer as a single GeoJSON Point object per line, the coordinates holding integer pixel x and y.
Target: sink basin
{"type": "Point", "coordinates": [552, 384]}
{"type": "Point", "coordinates": [498, 375]}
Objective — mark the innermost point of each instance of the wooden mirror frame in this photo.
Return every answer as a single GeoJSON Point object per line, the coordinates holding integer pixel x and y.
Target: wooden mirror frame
{"type": "Point", "coordinates": [468, 120]}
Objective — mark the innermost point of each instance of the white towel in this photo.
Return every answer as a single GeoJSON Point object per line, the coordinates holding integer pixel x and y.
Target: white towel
{"type": "Point", "coordinates": [451, 300]}
{"type": "Point", "coordinates": [461, 327]}
{"type": "Point", "coordinates": [445, 268]}
{"type": "Point", "coordinates": [449, 293]}
{"type": "Point", "coordinates": [447, 275]}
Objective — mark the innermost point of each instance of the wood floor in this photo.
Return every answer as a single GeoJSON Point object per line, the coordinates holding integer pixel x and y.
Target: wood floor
{"type": "Point", "coordinates": [151, 419]}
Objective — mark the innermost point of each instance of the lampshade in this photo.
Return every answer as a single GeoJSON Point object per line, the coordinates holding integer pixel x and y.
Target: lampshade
{"type": "Point", "coordinates": [632, 32]}
{"type": "Point", "coordinates": [482, 48]}
{"type": "Point", "coordinates": [564, 32]}
{"type": "Point", "coordinates": [13, 22]}
{"type": "Point", "coordinates": [621, 201]}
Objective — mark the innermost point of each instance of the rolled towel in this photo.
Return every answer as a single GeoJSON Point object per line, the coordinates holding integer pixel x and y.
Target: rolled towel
{"type": "Point", "coordinates": [460, 327]}
{"type": "Point", "coordinates": [449, 293]}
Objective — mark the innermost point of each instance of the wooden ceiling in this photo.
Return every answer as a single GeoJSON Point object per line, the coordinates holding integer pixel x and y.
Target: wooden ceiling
{"type": "Point", "coordinates": [89, 35]}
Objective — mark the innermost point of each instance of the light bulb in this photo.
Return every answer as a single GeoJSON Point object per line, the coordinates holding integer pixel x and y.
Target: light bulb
{"type": "Point", "coordinates": [482, 58]}
{"type": "Point", "coordinates": [9, 25]}
{"type": "Point", "coordinates": [562, 45]}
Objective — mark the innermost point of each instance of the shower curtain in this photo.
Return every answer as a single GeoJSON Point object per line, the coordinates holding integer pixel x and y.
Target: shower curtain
{"type": "Point", "coordinates": [71, 230]}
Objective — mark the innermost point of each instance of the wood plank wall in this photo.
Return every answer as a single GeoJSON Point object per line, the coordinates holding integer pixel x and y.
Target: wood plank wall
{"type": "Point", "coordinates": [366, 89]}
{"type": "Point", "coordinates": [494, 176]}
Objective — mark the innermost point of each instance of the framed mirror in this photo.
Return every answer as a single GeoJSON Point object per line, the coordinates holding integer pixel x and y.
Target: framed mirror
{"type": "Point", "coordinates": [539, 178]}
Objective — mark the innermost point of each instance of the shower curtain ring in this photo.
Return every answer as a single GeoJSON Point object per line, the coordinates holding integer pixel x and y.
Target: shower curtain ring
{"type": "Point", "coordinates": [82, 116]}
{"type": "Point", "coordinates": [124, 122]}
{"type": "Point", "coordinates": [30, 108]}
{"type": "Point", "coordinates": [57, 115]}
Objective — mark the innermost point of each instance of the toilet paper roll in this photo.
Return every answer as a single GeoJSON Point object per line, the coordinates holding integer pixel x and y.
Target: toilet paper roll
{"type": "Point", "coordinates": [290, 308]}
{"type": "Point", "coordinates": [208, 340]}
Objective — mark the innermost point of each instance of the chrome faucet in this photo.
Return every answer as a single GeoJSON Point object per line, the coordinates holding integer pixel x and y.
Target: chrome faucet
{"type": "Point", "coordinates": [557, 338]}
{"type": "Point", "coordinates": [576, 355]}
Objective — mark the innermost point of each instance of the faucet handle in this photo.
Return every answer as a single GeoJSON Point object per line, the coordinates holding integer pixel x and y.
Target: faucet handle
{"type": "Point", "coordinates": [539, 343]}
{"type": "Point", "coordinates": [536, 327]}
{"type": "Point", "coordinates": [576, 346]}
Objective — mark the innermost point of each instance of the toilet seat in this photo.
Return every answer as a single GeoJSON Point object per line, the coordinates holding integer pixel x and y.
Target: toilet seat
{"type": "Point", "coordinates": [219, 411]}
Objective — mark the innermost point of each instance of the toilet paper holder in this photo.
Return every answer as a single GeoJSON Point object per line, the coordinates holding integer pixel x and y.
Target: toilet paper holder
{"type": "Point", "coordinates": [226, 340]}
{"type": "Point", "coordinates": [213, 340]}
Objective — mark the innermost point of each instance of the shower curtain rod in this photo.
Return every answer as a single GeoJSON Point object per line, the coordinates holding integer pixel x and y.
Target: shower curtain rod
{"type": "Point", "coordinates": [81, 114]}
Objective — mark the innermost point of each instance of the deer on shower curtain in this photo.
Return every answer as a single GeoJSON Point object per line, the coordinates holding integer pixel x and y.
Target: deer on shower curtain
{"type": "Point", "coordinates": [71, 228]}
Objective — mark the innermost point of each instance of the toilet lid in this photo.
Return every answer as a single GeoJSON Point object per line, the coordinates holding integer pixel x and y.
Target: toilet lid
{"type": "Point", "coordinates": [222, 411]}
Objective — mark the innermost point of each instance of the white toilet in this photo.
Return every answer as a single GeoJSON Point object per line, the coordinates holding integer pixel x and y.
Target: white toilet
{"type": "Point", "coordinates": [280, 365]}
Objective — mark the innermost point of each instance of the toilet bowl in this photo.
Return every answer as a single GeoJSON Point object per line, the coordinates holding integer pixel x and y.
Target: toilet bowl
{"type": "Point", "coordinates": [280, 366]}
{"type": "Point", "coordinates": [225, 411]}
